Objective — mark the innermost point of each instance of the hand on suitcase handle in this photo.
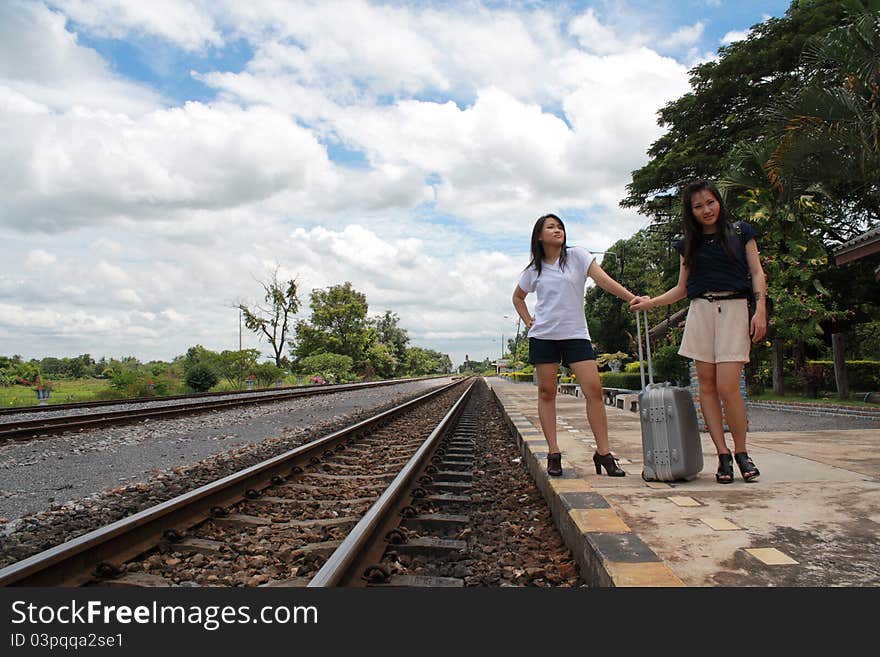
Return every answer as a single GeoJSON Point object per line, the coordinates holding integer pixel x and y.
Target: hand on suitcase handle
{"type": "Point", "coordinates": [641, 303]}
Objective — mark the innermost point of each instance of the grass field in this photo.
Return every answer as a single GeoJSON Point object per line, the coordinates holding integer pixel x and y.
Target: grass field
{"type": "Point", "coordinates": [83, 390]}
{"type": "Point", "coordinates": [63, 392]}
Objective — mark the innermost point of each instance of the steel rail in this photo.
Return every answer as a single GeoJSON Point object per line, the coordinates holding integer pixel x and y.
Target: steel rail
{"type": "Point", "coordinates": [17, 410]}
{"type": "Point", "coordinates": [50, 426]}
{"type": "Point", "coordinates": [74, 562]}
{"type": "Point", "coordinates": [354, 553]}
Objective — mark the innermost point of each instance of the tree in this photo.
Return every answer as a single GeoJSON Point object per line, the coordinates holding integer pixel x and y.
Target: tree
{"type": "Point", "coordinates": [236, 366]}
{"type": "Point", "coordinates": [381, 361]}
{"type": "Point", "coordinates": [828, 135]}
{"type": "Point", "coordinates": [267, 374]}
{"type": "Point", "coordinates": [646, 263]}
{"type": "Point", "coordinates": [729, 100]}
{"type": "Point", "coordinates": [389, 333]}
{"type": "Point", "coordinates": [338, 324]}
{"type": "Point", "coordinates": [271, 319]}
{"type": "Point", "coordinates": [794, 257]}
{"type": "Point", "coordinates": [420, 362]}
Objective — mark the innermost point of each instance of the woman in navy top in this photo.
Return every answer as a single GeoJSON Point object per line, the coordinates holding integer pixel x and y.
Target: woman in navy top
{"type": "Point", "coordinates": [718, 259]}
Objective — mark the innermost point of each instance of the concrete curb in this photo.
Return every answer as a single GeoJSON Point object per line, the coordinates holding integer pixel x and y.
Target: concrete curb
{"type": "Point", "coordinates": [607, 552]}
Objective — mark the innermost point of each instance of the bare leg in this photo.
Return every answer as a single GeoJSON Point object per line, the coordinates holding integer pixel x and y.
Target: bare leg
{"type": "Point", "coordinates": [547, 403]}
{"type": "Point", "coordinates": [711, 404]}
{"type": "Point", "coordinates": [727, 376]}
{"type": "Point", "coordinates": [588, 377]}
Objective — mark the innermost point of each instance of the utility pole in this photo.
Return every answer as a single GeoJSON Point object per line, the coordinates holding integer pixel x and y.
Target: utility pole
{"type": "Point", "coordinates": [239, 329]}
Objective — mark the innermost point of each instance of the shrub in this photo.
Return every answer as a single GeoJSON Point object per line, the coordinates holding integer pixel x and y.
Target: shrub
{"type": "Point", "coordinates": [862, 375]}
{"type": "Point", "coordinates": [331, 367]}
{"type": "Point", "coordinates": [201, 377]}
{"type": "Point", "coordinates": [668, 365]}
{"type": "Point", "coordinates": [620, 380]}
{"type": "Point", "coordinates": [268, 373]}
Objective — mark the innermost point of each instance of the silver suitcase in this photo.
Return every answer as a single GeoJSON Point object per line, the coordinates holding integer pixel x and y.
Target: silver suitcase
{"type": "Point", "coordinates": [671, 444]}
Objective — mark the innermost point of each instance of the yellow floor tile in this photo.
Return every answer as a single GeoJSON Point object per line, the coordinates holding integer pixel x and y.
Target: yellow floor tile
{"type": "Point", "coordinates": [771, 556]}
{"type": "Point", "coordinates": [642, 574]}
{"type": "Point", "coordinates": [682, 500]}
{"type": "Point", "coordinates": [720, 524]}
{"type": "Point", "coordinates": [598, 520]}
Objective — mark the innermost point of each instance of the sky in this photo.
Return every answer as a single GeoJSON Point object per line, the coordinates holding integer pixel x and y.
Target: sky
{"type": "Point", "coordinates": [161, 158]}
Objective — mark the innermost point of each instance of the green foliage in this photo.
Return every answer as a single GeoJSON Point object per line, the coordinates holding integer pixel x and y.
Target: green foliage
{"type": "Point", "coordinates": [267, 374]}
{"type": "Point", "coordinates": [862, 375]}
{"type": "Point", "coordinates": [668, 365]}
{"type": "Point", "coordinates": [634, 367]}
{"type": "Point", "coordinates": [646, 263]}
{"type": "Point", "coordinates": [611, 360]}
{"type": "Point", "coordinates": [730, 100]}
{"type": "Point", "coordinates": [475, 366]}
{"type": "Point", "coordinates": [421, 362]}
{"type": "Point", "coordinates": [236, 366]}
{"type": "Point", "coordinates": [201, 377]}
{"type": "Point", "coordinates": [338, 324]}
{"type": "Point", "coordinates": [828, 133]}
{"type": "Point", "coordinates": [335, 368]}
{"type": "Point", "coordinates": [794, 257]}
{"type": "Point", "coordinates": [865, 340]}
{"type": "Point", "coordinates": [395, 340]}
{"type": "Point", "coordinates": [381, 362]}
{"type": "Point", "coordinates": [620, 380]}
{"type": "Point", "coordinates": [132, 382]}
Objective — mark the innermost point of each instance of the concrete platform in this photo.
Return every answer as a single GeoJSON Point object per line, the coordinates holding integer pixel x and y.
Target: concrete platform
{"type": "Point", "coordinates": [812, 519]}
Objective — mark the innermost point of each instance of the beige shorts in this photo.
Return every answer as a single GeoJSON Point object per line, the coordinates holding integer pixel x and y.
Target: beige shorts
{"type": "Point", "coordinates": [717, 331]}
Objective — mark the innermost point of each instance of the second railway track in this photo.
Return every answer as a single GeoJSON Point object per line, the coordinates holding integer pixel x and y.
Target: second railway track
{"type": "Point", "coordinates": [290, 497]}
{"type": "Point", "coordinates": [12, 428]}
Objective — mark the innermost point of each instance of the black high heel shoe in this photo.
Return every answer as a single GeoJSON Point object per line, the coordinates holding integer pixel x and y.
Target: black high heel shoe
{"type": "Point", "coordinates": [609, 463]}
{"type": "Point", "coordinates": [725, 469]}
{"type": "Point", "coordinates": [554, 464]}
{"type": "Point", "coordinates": [747, 467]}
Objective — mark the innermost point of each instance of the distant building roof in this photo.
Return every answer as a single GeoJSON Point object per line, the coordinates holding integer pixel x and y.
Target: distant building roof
{"type": "Point", "coordinates": [868, 243]}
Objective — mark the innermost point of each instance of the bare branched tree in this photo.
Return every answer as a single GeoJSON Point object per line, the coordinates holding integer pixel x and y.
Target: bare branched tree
{"type": "Point", "coordinates": [271, 319]}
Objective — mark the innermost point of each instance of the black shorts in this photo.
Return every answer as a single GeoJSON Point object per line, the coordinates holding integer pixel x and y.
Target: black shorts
{"type": "Point", "coordinates": [554, 351]}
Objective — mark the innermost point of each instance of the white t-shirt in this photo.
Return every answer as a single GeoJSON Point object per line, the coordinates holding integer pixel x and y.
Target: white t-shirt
{"type": "Point", "coordinates": [559, 314]}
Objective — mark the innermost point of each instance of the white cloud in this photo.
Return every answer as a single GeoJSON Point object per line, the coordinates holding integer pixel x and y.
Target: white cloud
{"type": "Point", "coordinates": [153, 217]}
{"type": "Point", "coordinates": [38, 259]}
{"type": "Point", "coordinates": [684, 37]}
{"type": "Point", "coordinates": [734, 35]}
{"type": "Point", "coordinates": [599, 38]}
{"type": "Point", "coordinates": [185, 23]}
{"type": "Point", "coordinates": [42, 67]}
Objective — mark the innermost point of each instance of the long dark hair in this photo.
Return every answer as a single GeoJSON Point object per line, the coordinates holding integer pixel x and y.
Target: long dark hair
{"type": "Point", "coordinates": [538, 246]}
{"type": "Point", "coordinates": [693, 230]}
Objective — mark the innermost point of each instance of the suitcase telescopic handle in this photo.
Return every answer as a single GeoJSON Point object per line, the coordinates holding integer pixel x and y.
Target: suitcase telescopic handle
{"type": "Point", "coordinates": [647, 346]}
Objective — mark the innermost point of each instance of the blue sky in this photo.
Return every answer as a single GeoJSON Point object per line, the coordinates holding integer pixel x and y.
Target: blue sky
{"type": "Point", "coordinates": [165, 155]}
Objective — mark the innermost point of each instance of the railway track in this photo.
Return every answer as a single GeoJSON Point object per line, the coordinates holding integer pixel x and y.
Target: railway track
{"type": "Point", "coordinates": [313, 515]}
{"type": "Point", "coordinates": [12, 428]}
{"type": "Point", "coordinates": [75, 406]}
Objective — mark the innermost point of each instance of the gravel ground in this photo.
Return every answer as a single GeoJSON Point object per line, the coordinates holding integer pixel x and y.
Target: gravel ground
{"type": "Point", "coordinates": [511, 538]}
{"type": "Point", "coordinates": [765, 419]}
{"type": "Point", "coordinates": [44, 475]}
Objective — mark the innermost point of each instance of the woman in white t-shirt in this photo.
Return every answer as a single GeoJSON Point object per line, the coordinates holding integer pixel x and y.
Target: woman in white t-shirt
{"type": "Point", "coordinates": [558, 333]}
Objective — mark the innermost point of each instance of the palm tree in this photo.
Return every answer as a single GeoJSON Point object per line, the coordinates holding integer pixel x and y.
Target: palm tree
{"type": "Point", "coordinates": [829, 136]}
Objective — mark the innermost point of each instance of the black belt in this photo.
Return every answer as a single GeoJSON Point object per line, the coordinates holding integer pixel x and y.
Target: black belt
{"type": "Point", "coordinates": [742, 294]}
